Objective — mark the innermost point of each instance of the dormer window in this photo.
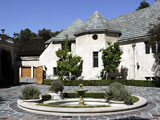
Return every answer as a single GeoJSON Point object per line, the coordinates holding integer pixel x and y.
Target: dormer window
{"type": "Point", "coordinates": [95, 37]}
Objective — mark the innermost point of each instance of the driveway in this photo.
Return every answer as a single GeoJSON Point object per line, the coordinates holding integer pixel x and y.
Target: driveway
{"type": "Point", "coordinates": [10, 111]}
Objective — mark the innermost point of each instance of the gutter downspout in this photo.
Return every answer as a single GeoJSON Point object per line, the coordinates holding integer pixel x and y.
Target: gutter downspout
{"type": "Point", "coordinates": [134, 59]}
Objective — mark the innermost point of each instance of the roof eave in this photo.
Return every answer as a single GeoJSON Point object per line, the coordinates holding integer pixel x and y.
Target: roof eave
{"type": "Point", "coordinates": [62, 41]}
{"type": "Point", "coordinates": [143, 38]}
{"type": "Point", "coordinates": [97, 31]}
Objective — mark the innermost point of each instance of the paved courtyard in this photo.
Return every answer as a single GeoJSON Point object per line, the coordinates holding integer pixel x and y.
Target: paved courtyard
{"type": "Point", "coordinates": [10, 111]}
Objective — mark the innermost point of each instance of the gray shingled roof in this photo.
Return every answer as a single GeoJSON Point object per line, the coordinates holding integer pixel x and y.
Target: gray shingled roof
{"type": "Point", "coordinates": [70, 31]}
{"type": "Point", "coordinates": [132, 25]}
{"type": "Point", "coordinates": [6, 38]}
{"type": "Point", "coordinates": [96, 23]}
{"type": "Point", "coordinates": [138, 23]}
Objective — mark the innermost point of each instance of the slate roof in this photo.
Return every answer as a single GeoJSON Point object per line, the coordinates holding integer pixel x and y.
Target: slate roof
{"type": "Point", "coordinates": [138, 23]}
{"type": "Point", "coordinates": [132, 25]}
{"type": "Point", "coordinates": [70, 31]}
{"type": "Point", "coordinates": [6, 38]}
{"type": "Point", "coordinates": [32, 47]}
{"type": "Point", "coordinates": [96, 23]}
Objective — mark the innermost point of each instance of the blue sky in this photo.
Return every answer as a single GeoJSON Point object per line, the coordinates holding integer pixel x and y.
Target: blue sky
{"type": "Point", "coordinates": [16, 15]}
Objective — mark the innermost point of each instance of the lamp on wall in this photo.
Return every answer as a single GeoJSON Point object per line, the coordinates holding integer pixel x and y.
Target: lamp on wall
{"type": "Point", "coordinates": [133, 43]}
{"type": "Point", "coordinates": [45, 67]}
{"type": "Point", "coordinates": [138, 66]}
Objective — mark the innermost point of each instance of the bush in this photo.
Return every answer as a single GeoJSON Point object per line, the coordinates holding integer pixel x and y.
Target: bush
{"type": "Point", "coordinates": [56, 86]}
{"type": "Point", "coordinates": [30, 92]}
{"type": "Point", "coordinates": [117, 92]}
{"type": "Point", "coordinates": [48, 81]}
{"type": "Point", "coordinates": [46, 97]}
{"type": "Point", "coordinates": [106, 82]}
{"type": "Point", "coordinates": [86, 95]}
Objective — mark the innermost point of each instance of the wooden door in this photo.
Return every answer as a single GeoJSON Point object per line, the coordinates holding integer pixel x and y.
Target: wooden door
{"type": "Point", "coordinates": [39, 75]}
{"type": "Point", "coordinates": [26, 72]}
{"type": "Point", "coordinates": [16, 75]}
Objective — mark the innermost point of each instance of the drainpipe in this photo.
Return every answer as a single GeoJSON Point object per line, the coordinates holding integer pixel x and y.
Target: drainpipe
{"type": "Point", "coordinates": [134, 59]}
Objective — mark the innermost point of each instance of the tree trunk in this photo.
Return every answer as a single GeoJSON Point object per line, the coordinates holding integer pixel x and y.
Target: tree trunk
{"type": "Point", "coordinates": [106, 74]}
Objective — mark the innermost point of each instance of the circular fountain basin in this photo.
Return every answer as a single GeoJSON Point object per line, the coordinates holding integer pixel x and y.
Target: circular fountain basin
{"type": "Point", "coordinates": [113, 107]}
{"type": "Point", "coordinates": [74, 102]}
{"type": "Point", "coordinates": [77, 103]}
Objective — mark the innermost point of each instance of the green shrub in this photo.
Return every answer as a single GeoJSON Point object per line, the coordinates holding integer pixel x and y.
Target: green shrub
{"type": "Point", "coordinates": [87, 95]}
{"type": "Point", "coordinates": [56, 86]}
{"type": "Point", "coordinates": [46, 97]}
{"type": "Point", "coordinates": [30, 92]}
{"type": "Point", "coordinates": [117, 92]}
{"type": "Point", "coordinates": [106, 82]}
{"type": "Point", "coordinates": [48, 81]}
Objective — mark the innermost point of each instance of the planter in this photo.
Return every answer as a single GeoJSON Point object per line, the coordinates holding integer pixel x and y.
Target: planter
{"type": "Point", "coordinates": [56, 96]}
{"type": "Point", "coordinates": [32, 100]}
{"type": "Point", "coordinates": [116, 102]}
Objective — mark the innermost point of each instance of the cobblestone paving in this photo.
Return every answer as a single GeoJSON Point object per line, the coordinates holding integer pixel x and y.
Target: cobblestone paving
{"type": "Point", "coordinates": [10, 111]}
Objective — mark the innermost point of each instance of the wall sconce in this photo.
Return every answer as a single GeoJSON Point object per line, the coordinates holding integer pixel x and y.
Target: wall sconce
{"type": "Point", "coordinates": [138, 66]}
{"type": "Point", "coordinates": [45, 67]}
{"type": "Point", "coordinates": [133, 43]}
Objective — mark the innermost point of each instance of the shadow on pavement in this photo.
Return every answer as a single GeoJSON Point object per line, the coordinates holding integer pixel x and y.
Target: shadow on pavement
{"type": "Point", "coordinates": [2, 100]}
{"type": "Point", "coordinates": [132, 118]}
{"type": "Point", "coordinates": [22, 83]}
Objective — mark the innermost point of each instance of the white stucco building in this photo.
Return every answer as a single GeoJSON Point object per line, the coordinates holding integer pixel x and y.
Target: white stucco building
{"type": "Point", "coordinates": [87, 38]}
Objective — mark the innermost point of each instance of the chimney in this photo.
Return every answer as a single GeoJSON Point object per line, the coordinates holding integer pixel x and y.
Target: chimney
{"type": "Point", "coordinates": [157, 2]}
{"type": "Point", "coordinates": [2, 30]}
{"type": "Point", "coordinates": [14, 35]}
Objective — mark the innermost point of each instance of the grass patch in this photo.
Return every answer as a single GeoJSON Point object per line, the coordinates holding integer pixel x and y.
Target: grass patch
{"type": "Point", "coordinates": [61, 106]}
{"type": "Point", "coordinates": [93, 95]}
{"type": "Point", "coordinates": [135, 99]}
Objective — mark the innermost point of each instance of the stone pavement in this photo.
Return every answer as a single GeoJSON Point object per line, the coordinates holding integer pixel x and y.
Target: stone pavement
{"type": "Point", "coordinates": [10, 111]}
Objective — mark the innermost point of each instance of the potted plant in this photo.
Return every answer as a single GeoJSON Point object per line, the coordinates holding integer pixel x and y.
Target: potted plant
{"type": "Point", "coordinates": [56, 88]}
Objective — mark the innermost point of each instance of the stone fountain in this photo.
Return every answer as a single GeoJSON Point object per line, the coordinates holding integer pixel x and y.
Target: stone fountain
{"type": "Point", "coordinates": [81, 91]}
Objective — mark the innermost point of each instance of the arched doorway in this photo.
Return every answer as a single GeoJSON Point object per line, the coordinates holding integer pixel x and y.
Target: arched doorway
{"type": "Point", "coordinates": [5, 67]}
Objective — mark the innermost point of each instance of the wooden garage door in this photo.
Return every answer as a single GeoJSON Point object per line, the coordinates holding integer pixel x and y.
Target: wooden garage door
{"type": "Point", "coordinates": [39, 74]}
{"type": "Point", "coordinates": [26, 72]}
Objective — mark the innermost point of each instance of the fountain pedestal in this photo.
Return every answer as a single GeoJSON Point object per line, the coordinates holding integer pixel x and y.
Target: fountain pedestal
{"type": "Point", "coordinates": [81, 93]}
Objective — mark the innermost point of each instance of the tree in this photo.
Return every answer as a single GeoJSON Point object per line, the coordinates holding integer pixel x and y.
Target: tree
{"type": "Point", "coordinates": [143, 4]}
{"type": "Point", "coordinates": [54, 34]}
{"type": "Point", "coordinates": [111, 59]}
{"type": "Point", "coordinates": [68, 66]}
{"type": "Point", "coordinates": [45, 34]}
{"type": "Point", "coordinates": [154, 37]}
{"type": "Point", "coordinates": [25, 35]}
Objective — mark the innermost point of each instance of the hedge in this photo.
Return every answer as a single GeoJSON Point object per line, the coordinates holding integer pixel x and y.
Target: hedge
{"type": "Point", "coordinates": [144, 83]}
{"type": "Point", "coordinates": [92, 95]}
{"type": "Point", "coordinates": [87, 95]}
{"type": "Point", "coordinates": [46, 97]}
